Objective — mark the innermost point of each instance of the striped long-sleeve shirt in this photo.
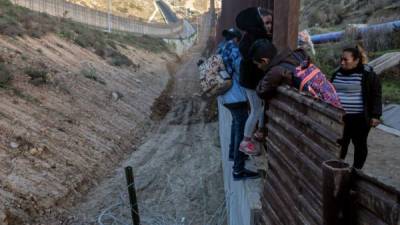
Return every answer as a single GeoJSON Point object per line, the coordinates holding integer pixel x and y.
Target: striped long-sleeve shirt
{"type": "Point", "coordinates": [349, 89]}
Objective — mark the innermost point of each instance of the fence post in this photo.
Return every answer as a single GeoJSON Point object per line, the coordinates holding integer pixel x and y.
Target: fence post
{"type": "Point", "coordinates": [336, 190]}
{"type": "Point", "coordinates": [132, 195]}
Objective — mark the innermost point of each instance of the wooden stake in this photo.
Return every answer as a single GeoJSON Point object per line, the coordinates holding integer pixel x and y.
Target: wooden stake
{"type": "Point", "coordinates": [132, 195]}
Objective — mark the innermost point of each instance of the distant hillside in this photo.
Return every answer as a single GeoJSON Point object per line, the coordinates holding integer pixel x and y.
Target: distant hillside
{"type": "Point", "coordinates": [143, 8]}
{"type": "Point", "coordinates": [320, 16]}
{"type": "Point", "coordinates": [325, 15]}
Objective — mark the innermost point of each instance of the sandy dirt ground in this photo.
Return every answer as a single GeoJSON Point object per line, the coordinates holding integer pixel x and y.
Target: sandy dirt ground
{"type": "Point", "coordinates": [177, 168]}
{"type": "Point", "coordinates": [383, 159]}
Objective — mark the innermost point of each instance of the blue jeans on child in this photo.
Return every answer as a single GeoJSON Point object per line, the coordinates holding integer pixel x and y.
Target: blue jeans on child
{"type": "Point", "coordinates": [239, 117]}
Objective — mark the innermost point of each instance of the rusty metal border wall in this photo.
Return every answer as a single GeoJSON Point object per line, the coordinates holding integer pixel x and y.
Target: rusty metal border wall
{"type": "Point", "coordinates": [302, 134]}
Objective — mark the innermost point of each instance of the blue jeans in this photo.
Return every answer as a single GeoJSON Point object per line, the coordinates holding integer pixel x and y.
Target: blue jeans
{"type": "Point", "coordinates": [239, 117]}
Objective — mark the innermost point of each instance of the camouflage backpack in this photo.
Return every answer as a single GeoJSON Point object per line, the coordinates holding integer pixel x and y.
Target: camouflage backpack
{"type": "Point", "coordinates": [214, 80]}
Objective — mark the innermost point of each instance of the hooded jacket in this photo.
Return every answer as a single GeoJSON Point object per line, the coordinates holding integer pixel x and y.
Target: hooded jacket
{"type": "Point", "coordinates": [250, 21]}
{"type": "Point", "coordinates": [276, 74]}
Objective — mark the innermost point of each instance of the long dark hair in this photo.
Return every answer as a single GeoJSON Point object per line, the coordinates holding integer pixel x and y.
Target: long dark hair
{"type": "Point", "coordinates": [262, 13]}
{"type": "Point", "coordinates": [359, 53]}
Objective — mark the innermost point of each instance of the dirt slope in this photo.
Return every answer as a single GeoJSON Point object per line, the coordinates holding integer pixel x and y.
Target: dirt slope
{"type": "Point", "coordinates": [327, 15]}
{"type": "Point", "coordinates": [177, 169]}
{"type": "Point", "coordinates": [59, 137]}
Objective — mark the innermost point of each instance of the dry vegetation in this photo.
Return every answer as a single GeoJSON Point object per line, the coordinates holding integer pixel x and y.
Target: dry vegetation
{"type": "Point", "coordinates": [333, 15]}
{"type": "Point", "coordinates": [18, 21]}
{"type": "Point", "coordinates": [73, 101]}
{"type": "Point", "coordinates": [325, 16]}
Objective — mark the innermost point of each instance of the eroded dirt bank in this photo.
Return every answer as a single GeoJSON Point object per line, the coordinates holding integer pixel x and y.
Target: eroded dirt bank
{"type": "Point", "coordinates": [66, 118]}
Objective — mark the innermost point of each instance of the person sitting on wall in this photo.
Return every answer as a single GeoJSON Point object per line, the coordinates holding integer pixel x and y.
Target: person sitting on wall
{"type": "Point", "coordinates": [360, 94]}
{"type": "Point", "coordinates": [257, 24]}
{"type": "Point", "coordinates": [265, 56]}
{"type": "Point", "coordinates": [235, 100]}
{"type": "Point", "coordinates": [293, 68]}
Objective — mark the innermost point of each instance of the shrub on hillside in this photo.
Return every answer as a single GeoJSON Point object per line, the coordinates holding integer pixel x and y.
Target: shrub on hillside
{"type": "Point", "coordinates": [38, 76]}
{"type": "Point", "coordinates": [381, 41]}
{"type": "Point", "coordinates": [118, 59]}
{"type": "Point", "coordinates": [91, 73]}
{"type": "Point", "coordinates": [18, 21]}
{"type": "Point", "coordinates": [5, 75]}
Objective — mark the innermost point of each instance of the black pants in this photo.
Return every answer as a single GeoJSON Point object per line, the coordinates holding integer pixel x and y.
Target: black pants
{"type": "Point", "coordinates": [356, 129]}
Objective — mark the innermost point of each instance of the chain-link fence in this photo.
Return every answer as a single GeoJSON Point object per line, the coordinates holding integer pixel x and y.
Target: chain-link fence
{"type": "Point", "coordinates": [100, 19]}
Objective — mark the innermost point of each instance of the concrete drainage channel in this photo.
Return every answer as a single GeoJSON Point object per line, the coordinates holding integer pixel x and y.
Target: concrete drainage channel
{"type": "Point", "coordinates": [182, 45]}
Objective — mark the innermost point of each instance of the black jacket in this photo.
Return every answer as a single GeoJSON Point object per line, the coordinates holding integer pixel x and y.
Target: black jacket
{"type": "Point", "coordinates": [250, 21]}
{"type": "Point", "coordinates": [371, 92]}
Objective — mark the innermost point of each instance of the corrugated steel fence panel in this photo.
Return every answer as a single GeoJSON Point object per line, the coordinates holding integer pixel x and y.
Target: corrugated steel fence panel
{"type": "Point", "coordinates": [302, 134]}
{"type": "Point", "coordinates": [374, 202]}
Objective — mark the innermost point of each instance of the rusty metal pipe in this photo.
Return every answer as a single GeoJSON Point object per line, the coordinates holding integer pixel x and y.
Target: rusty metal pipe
{"type": "Point", "coordinates": [336, 189]}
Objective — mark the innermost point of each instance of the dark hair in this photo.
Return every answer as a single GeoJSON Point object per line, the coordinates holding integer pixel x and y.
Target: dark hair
{"type": "Point", "coordinates": [262, 48]}
{"type": "Point", "coordinates": [358, 53]}
{"type": "Point", "coordinates": [231, 33]}
{"type": "Point", "coordinates": [265, 12]}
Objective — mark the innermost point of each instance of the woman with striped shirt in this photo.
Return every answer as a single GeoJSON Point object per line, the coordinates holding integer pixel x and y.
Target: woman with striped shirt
{"type": "Point", "coordinates": [360, 94]}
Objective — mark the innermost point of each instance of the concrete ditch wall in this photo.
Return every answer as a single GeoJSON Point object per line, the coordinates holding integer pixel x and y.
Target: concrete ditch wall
{"type": "Point", "coordinates": [243, 198]}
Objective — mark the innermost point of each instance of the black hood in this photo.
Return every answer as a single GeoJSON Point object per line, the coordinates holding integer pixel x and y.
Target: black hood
{"type": "Point", "coordinates": [249, 20]}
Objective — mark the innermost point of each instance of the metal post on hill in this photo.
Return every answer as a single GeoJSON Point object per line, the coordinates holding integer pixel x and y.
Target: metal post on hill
{"type": "Point", "coordinates": [132, 195]}
{"type": "Point", "coordinates": [109, 15]}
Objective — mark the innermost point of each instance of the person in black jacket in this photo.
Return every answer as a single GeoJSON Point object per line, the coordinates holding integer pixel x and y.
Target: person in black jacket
{"type": "Point", "coordinates": [360, 94]}
{"type": "Point", "coordinates": [257, 24]}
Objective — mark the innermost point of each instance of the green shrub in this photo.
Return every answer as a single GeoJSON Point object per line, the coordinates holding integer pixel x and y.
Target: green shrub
{"type": "Point", "coordinates": [27, 97]}
{"type": "Point", "coordinates": [5, 75]}
{"type": "Point", "coordinates": [327, 58]}
{"type": "Point", "coordinates": [118, 59]}
{"type": "Point", "coordinates": [91, 73]}
{"type": "Point", "coordinates": [38, 76]}
{"type": "Point", "coordinates": [18, 21]}
{"type": "Point", "coordinates": [391, 90]}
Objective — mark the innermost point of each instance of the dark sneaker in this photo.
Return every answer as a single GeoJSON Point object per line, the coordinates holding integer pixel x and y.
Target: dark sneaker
{"type": "Point", "coordinates": [245, 174]}
{"type": "Point", "coordinates": [246, 157]}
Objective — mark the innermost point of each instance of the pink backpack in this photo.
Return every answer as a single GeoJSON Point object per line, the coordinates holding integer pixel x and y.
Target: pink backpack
{"type": "Point", "coordinates": [308, 77]}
